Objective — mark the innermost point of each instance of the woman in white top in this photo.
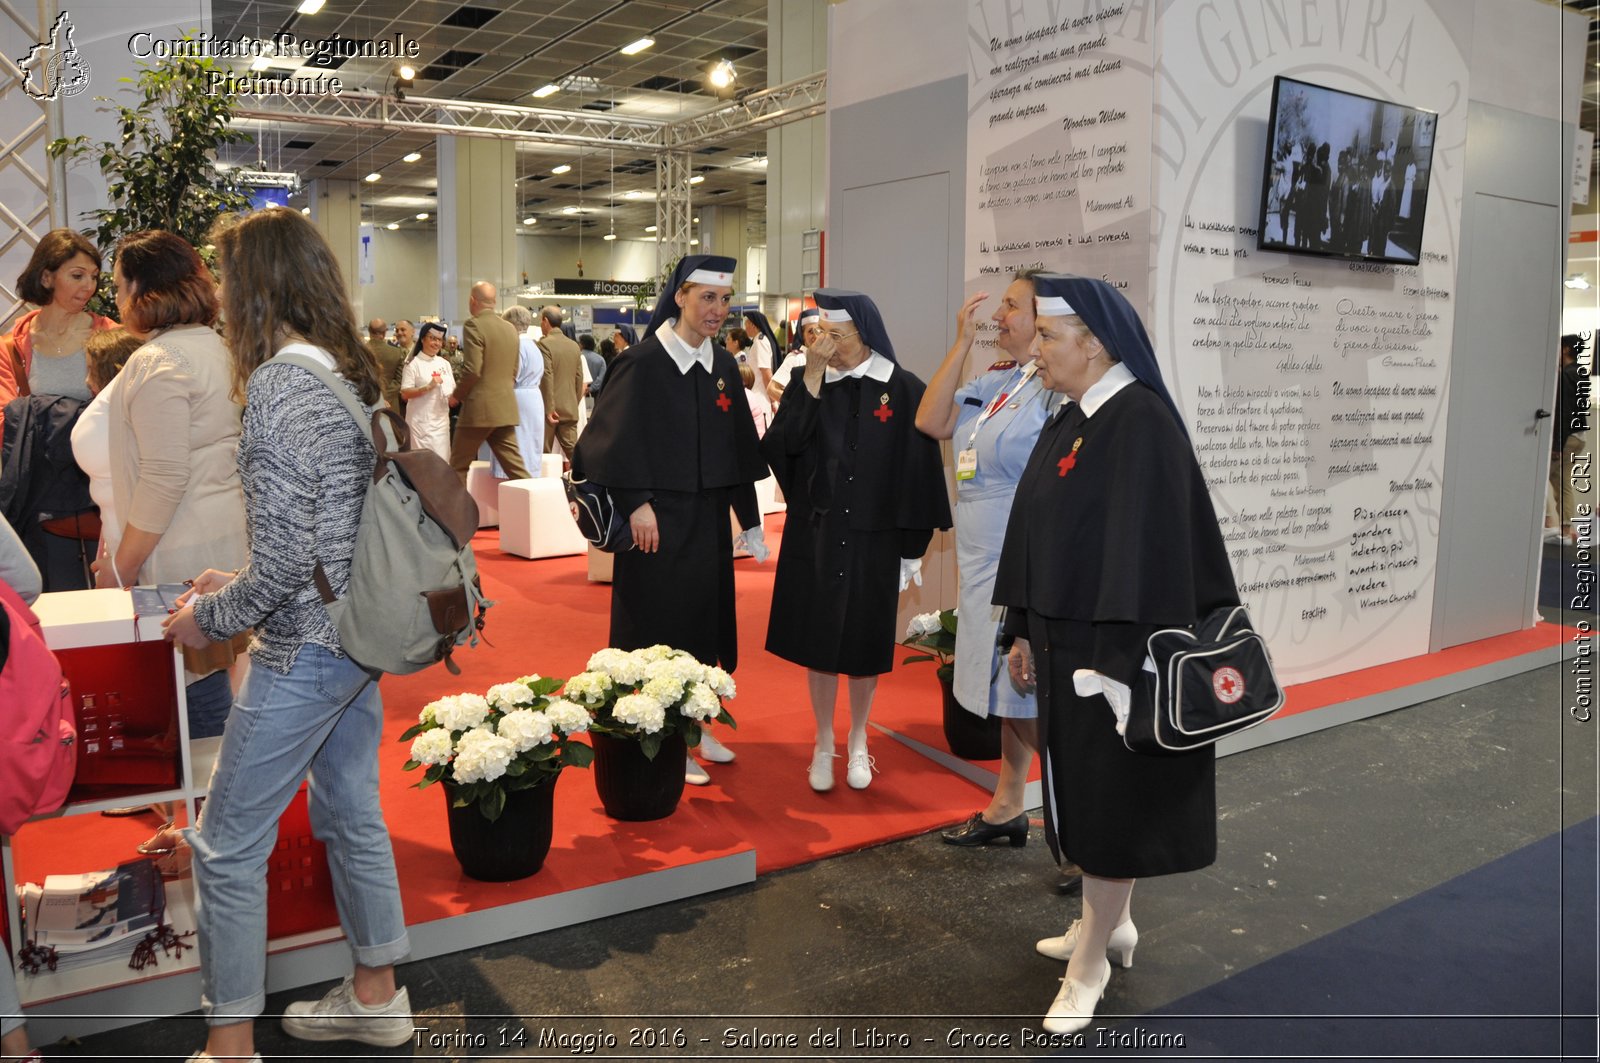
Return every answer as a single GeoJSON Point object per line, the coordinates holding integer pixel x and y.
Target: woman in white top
{"type": "Point", "coordinates": [426, 383]}
{"type": "Point", "coordinates": [107, 352]}
{"type": "Point", "coordinates": [530, 401]}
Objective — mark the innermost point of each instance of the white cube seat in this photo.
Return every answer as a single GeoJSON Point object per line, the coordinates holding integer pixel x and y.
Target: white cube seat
{"type": "Point", "coordinates": [550, 465]}
{"type": "Point", "coordinates": [535, 520]}
{"type": "Point", "coordinates": [484, 487]}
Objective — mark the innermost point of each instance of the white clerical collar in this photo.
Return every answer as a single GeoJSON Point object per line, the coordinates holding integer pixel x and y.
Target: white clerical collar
{"type": "Point", "coordinates": [1117, 377]}
{"type": "Point", "coordinates": [874, 365]}
{"type": "Point", "coordinates": [683, 355]}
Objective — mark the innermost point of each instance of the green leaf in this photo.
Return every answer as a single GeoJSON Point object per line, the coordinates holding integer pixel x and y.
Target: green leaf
{"type": "Point", "coordinates": [919, 657]}
{"type": "Point", "coordinates": [650, 745]}
{"type": "Point", "coordinates": [578, 755]}
{"type": "Point", "coordinates": [414, 730]}
{"type": "Point", "coordinates": [492, 804]}
{"type": "Point", "coordinates": [547, 685]}
{"type": "Point", "coordinates": [947, 620]}
{"type": "Point", "coordinates": [411, 765]}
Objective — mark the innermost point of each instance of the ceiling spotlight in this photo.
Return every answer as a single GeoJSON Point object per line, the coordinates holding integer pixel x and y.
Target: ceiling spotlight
{"type": "Point", "coordinates": [407, 72]}
{"type": "Point", "coordinates": [638, 46]}
{"type": "Point", "coordinates": [310, 7]}
{"type": "Point", "coordinates": [530, 220]}
{"type": "Point", "coordinates": [392, 225]}
{"type": "Point", "coordinates": [374, 176]}
{"type": "Point", "coordinates": [609, 236]}
{"type": "Point", "coordinates": [545, 90]}
{"type": "Point", "coordinates": [649, 228]}
{"type": "Point", "coordinates": [697, 221]}
{"type": "Point", "coordinates": [414, 156]}
{"type": "Point", "coordinates": [305, 210]}
{"type": "Point", "coordinates": [697, 178]}
{"type": "Point", "coordinates": [1578, 281]}
{"type": "Point", "coordinates": [423, 216]}
{"type": "Point", "coordinates": [695, 242]}
{"type": "Point", "coordinates": [563, 168]}
{"type": "Point", "coordinates": [722, 74]}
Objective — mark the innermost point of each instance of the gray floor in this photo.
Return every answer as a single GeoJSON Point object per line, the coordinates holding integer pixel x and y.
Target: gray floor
{"type": "Point", "coordinates": [920, 939]}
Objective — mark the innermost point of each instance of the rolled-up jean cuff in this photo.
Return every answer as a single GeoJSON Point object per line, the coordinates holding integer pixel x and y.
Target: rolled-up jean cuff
{"type": "Point", "coordinates": [382, 955]}
{"type": "Point", "coordinates": [234, 1011]}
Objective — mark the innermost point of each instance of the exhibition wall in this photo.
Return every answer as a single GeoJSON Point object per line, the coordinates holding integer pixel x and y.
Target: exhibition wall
{"type": "Point", "coordinates": [1129, 141]}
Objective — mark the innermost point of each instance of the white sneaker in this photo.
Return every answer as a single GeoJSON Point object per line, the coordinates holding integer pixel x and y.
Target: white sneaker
{"type": "Point", "coordinates": [821, 774]}
{"type": "Point", "coordinates": [694, 774]}
{"type": "Point", "coordinates": [858, 772]}
{"type": "Point", "coordinates": [1073, 1007]}
{"type": "Point", "coordinates": [1123, 940]}
{"type": "Point", "coordinates": [339, 1016]}
{"type": "Point", "coordinates": [714, 751]}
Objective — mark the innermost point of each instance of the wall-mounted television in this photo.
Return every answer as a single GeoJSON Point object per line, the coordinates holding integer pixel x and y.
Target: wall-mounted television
{"type": "Point", "coordinates": [1345, 175]}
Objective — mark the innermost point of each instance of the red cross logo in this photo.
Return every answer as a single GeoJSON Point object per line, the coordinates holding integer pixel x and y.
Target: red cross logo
{"type": "Point", "coordinates": [722, 401]}
{"type": "Point", "coordinates": [1066, 463]}
{"type": "Point", "coordinates": [883, 413]}
{"type": "Point", "coordinates": [1228, 685]}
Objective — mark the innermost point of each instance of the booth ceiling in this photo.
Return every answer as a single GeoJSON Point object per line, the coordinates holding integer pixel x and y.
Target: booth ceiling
{"type": "Point", "coordinates": [489, 52]}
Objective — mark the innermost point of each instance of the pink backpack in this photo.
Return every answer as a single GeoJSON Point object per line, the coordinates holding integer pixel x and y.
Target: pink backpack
{"type": "Point", "coordinates": [38, 733]}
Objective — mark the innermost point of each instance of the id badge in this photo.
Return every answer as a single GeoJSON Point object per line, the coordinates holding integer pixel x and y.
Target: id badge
{"type": "Point", "coordinates": [967, 464]}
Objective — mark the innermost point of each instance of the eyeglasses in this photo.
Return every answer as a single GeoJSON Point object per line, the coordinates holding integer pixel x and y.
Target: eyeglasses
{"type": "Point", "coordinates": [837, 336]}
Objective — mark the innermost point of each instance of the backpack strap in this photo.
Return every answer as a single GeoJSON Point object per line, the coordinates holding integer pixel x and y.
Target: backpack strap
{"type": "Point", "coordinates": [383, 434]}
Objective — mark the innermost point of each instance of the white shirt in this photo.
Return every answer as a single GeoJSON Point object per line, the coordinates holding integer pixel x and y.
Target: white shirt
{"type": "Point", "coordinates": [793, 359]}
{"type": "Point", "coordinates": [875, 366]}
{"type": "Point", "coordinates": [681, 353]}
{"type": "Point", "coordinates": [91, 448]}
{"type": "Point", "coordinates": [763, 352]}
{"type": "Point", "coordinates": [1117, 377]}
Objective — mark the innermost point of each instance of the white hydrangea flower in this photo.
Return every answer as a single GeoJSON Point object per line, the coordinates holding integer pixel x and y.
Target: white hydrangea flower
{"type": "Point", "coordinates": [481, 756]}
{"type": "Point", "coordinates": [620, 665]}
{"type": "Point", "coordinates": [458, 712]}
{"type": "Point", "coordinates": [525, 729]}
{"type": "Point", "coordinates": [701, 703]}
{"type": "Point", "coordinates": [665, 689]}
{"type": "Point", "coordinates": [922, 624]}
{"type": "Point", "coordinates": [589, 688]}
{"type": "Point", "coordinates": [530, 679]}
{"type": "Point", "coordinates": [433, 747]}
{"type": "Point", "coordinates": [507, 696]}
{"type": "Point", "coordinates": [641, 711]}
{"type": "Point", "coordinates": [426, 715]}
{"type": "Point", "coordinates": [720, 682]}
{"type": "Point", "coordinates": [658, 652]}
{"type": "Point", "coordinates": [567, 717]}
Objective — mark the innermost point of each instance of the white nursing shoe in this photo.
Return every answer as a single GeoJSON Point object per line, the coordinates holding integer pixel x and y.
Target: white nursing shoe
{"type": "Point", "coordinates": [1123, 940]}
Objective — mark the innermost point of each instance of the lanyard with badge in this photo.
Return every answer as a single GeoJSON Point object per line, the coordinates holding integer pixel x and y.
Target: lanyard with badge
{"type": "Point", "coordinates": [967, 460]}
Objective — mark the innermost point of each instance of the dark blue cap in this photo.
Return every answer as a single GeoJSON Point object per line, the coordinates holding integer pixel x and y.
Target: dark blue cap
{"type": "Point", "coordinates": [692, 269]}
{"type": "Point", "coordinates": [840, 305]}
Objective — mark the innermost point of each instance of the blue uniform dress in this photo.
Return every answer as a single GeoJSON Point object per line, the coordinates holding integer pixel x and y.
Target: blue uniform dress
{"type": "Point", "coordinates": [1004, 441]}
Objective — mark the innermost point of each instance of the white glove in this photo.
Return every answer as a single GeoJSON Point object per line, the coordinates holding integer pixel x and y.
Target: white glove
{"type": "Point", "coordinates": [754, 540]}
{"type": "Point", "coordinates": [910, 572]}
{"type": "Point", "coordinates": [1117, 695]}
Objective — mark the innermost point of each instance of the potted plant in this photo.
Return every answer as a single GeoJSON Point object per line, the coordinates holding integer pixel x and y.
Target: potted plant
{"type": "Point", "coordinates": [648, 706]}
{"type": "Point", "coordinates": [968, 735]}
{"type": "Point", "coordinates": [497, 756]}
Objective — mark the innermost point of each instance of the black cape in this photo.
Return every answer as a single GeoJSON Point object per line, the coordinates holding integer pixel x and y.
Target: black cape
{"type": "Point", "coordinates": [864, 489]}
{"type": "Point", "coordinates": [1094, 561]}
{"type": "Point", "coordinates": [665, 437]}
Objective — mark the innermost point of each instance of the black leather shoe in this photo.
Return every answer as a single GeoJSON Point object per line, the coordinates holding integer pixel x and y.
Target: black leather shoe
{"type": "Point", "coordinates": [1071, 880]}
{"type": "Point", "coordinates": [979, 831]}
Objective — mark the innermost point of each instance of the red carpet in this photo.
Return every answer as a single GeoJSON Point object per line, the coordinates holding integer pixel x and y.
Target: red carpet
{"type": "Point", "coordinates": [548, 618]}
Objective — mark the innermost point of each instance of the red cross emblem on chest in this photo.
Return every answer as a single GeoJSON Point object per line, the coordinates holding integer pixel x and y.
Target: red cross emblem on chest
{"type": "Point", "coordinates": [883, 413]}
{"type": "Point", "coordinates": [724, 402]}
{"type": "Point", "coordinates": [1066, 464]}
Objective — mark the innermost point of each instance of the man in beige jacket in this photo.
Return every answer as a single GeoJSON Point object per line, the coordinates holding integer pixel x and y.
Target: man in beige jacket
{"type": "Point", "coordinates": [486, 388]}
{"type": "Point", "coordinates": [562, 385]}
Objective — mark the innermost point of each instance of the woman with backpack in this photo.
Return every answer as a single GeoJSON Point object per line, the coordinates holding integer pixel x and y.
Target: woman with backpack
{"type": "Point", "coordinates": [306, 705]}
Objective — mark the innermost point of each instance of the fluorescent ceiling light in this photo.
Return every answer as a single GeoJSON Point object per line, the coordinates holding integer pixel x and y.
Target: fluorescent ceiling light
{"type": "Point", "coordinates": [310, 7]}
{"type": "Point", "coordinates": [530, 220]}
{"type": "Point", "coordinates": [569, 210]}
{"type": "Point", "coordinates": [423, 216]}
{"type": "Point", "coordinates": [545, 90]}
{"type": "Point", "coordinates": [305, 210]}
{"type": "Point", "coordinates": [695, 242]}
{"type": "Point", "coordinates": [609, 236]}
{"type": "Point", "coordinates": [374, 176]}
{"type": "Point", "coordinates": [563, 168]}
{"type": "Point", "coordinates": [697, 178]}
{"type": "Point", "coordinates": [638, 46]}
{"type": "Point", "coordinates": [414, 156]}
{"type": "Point", "coordinates": [396, 225]}
{"type": "Point", "coordinates": [649, 228]}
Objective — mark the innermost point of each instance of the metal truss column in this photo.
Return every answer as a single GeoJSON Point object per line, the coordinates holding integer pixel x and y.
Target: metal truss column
{"type": "Point", "coordinates": [30, 182]}
{"type": "Point", "coordinates": [673, 210]}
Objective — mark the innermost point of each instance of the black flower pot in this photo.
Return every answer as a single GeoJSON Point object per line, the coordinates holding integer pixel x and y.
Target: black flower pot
{"type": "Point", "coordinates": [633, 787]}
{"type": "Point", "coordinates": [511, 847]}
{"type": "Point", "coordinates": [969, 736]}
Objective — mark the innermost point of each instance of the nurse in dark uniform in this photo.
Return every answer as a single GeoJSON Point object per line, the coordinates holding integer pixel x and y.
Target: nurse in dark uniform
{"type": "Point", "coordinates": [1112, 535]}
{"type": "Point", "coordinates": [672, 438]}
{"type": "Point", "coordinates": [865, 492]}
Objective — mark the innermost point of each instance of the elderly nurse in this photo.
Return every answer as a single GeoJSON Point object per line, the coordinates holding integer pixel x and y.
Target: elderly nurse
{"type": "Point", "coordinates": [1112, 535]}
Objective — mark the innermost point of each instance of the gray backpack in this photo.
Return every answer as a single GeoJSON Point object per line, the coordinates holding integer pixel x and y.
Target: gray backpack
{"type": "Point", "coordinates": [414, 594]}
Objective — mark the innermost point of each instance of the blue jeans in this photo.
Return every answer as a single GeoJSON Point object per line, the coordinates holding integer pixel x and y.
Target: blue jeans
{"type": "Point", "coordinates": [325, 716]}
{"type": "Point", "coordinates": [209, 701]}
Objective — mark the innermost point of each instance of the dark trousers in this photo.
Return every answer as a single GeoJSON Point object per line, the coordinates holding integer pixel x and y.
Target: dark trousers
{"type": "Point", "coordinates": [502, 441]}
